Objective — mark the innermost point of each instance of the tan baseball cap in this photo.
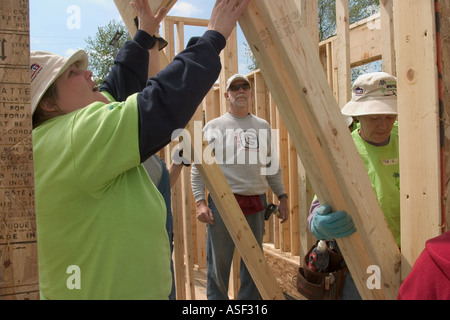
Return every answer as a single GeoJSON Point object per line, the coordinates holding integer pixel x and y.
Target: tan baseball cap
{"type": "Point", "coordinates": [234, 78]}
{"type": "Point", "coordinates": [46, 67]}
{"type": "Point", "coordinates": [373, 93]}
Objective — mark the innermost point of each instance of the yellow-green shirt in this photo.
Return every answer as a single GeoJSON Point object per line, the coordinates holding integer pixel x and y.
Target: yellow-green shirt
{"type": "Point", "coordinates": [100, 219]}
{"type": "Point", "coordinates": [382, 165]}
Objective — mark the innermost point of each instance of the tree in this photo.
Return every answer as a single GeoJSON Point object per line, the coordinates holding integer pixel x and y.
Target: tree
{"type": "Point", "coordinates": [101, 49]}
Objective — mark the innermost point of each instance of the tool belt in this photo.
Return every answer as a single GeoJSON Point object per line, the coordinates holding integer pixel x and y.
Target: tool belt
{"type": "Point", "coordinates": [322, 285]}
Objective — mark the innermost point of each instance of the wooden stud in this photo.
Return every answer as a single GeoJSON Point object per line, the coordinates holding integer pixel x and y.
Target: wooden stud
{"type": "Point", "coordinates": [418, 106]}
{"type": "Point", "coordinates": [234, 219]}
{"type": "Point", "coordinates": [178, 242]}
{"type": "Point", "coordinates": [229, 61]}
{"type": "Point", "coordinates": [304, 196]}
{"type": "Point", "coordinates": [283, 148]}
{"type": "Point", "coordinates": [128, 16]}
{"type": "Point", "coordinates": [322, 139]}
{"type": "Point", "coordinates": [19, 278]}
{"type": "Point", "coordinates": [444, 63]}
{"type": "Point", "coordinates": [294, 214]}
{"type": "Point", "coordinates": [387, 41]}
{"type": "Point", "coordinates": [343, 51]}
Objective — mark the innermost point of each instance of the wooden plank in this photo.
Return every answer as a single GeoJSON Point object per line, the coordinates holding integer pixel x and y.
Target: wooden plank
{"type": "Point", "coordinates": [18, 243]}
{"type": "Point", "coordinates": [212, 102]}
{"type": "Point", "coordinates": [304, 195]}
{"type": "Point", "coordinates": [260, 95]}
{"type": "Point", "coordinates": [365, 41]}
{"type": "Point", "coordinates": [178, 242]}
{"type": "Point", "coordinates": [286, 55]}
{"type": "Point", "coordinates": [233, 286]}
{"type": "Point", "coordinates": [230, 210]}
{"type": "Point", "coordinates": [343, 51]}
{"type": "Point", "coordinates": [294, 216]}
{"type": "Point", "coordinates": [444, 39]}
{"type": "Point", "coordinates": [274, 223]}
{"type": "Point", "coordinates": [229, 61]}
{"type": "Point", "coordinates": [128, 16]}
{"type": "Point", "coordinates": [234, 220]}
{"type": "Point", "coordinates": [187, 226]}
{"type": "Point", "coordinates": [188, 21]}
{"type": "Point", "coordinates": [283, 148]}
{"type": "Point", "coordinates": [418, 106]}
{"type": "Point", "coordinates": [285, 269]}
{"type": "Point", "coordinates": [387, 41]}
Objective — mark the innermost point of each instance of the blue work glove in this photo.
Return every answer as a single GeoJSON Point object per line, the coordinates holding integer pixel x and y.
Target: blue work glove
{"type": "Point", "coordinates": [327, 225]}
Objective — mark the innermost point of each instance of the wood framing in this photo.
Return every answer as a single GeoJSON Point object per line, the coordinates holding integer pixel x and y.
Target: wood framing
{"type": "Point", "coordinates": [443, 8]}
{"type": "Point", "coordinates": [227, 205]}
{"type": "Point", "coordinates": [128, 16]}
{"type": "Point", "coordinates": [418, 106]}
{"type": "Point", "coordinates": [387, 41]}
{"type": "Point", "coordinates": [314, 127]}
{"type": "Point", "coordinates": [234, 219]}
{"type": "Point", "coordinates": [343, 51]}
{"type": "Point", "coordinates": [18, 238]}
{"type": "Point", "coordinates": [302, 106]}
{"type": "Point", "coordinates": [305, 194]}
{"type": "Point", "coordinates": [366, 45]}
{"type": "Point", "coordinates": [286, 56]}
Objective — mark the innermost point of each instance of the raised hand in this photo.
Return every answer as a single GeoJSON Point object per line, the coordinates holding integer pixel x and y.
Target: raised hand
{"type": "Point", "coordinates": [225, 15]}
{"type": "Point", "coordinates": [148, 22]}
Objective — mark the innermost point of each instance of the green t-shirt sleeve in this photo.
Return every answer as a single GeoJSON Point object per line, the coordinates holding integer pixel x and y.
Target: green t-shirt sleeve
{"type": "Point", "coordinates": [105, 142]}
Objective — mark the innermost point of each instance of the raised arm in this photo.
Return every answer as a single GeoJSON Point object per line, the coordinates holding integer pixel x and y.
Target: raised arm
{"type": "Point", "coordinates": [170, 99]}
{"type": "Point", "coordinates": [129, 72]}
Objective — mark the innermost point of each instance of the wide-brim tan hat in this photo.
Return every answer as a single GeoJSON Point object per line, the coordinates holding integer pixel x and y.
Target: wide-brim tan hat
{"type": "Point", "coordinates": [373, 93]}
{"type": "Point", "coordinates": [234, 78]}
{"type": "Point", "coordinates": [46, 67]}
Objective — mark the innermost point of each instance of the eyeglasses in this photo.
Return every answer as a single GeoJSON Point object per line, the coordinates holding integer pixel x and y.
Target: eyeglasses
{"type": "Point", "coordinates": [237, 87]}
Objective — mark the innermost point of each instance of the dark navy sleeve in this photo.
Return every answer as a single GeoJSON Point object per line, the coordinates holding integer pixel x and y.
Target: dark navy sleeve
{"type": "Point", "coordinates": [129, 73]}
{"type": "Point", "coordinates": [171, 98]}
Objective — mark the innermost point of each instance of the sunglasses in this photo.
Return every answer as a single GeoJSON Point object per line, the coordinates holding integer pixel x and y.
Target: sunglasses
{"type": "Point", "coordinates": [237, 87]}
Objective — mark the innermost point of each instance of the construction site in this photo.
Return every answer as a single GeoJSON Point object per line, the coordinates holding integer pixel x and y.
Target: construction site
{"type": "Point", "coordinates": [300, 87]}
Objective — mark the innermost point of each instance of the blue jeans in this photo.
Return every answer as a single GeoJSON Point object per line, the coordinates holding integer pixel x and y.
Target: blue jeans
{"type": "Point", "coordinates": [219, 256]}
{"type": "Point", "coordinates": [350, 292]}
{"type": "Point", "coordinates": [164, 189]}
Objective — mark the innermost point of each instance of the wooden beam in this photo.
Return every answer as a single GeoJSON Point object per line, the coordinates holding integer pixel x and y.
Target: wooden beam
{"type": "Point", "coordinates": [178, 241]}
{"type": "Point", "coordinates": [187, 227]}
{"type": "Point", "coordinates": [365, 42]}
{"type": "Point", "coordinates": [444, 39]}
{"type": "Point", "coordinates": [230, 67]}
{"type": "Point", "coordinates": [233, 218]}
{"type": "Point", "coordinates": [343, 51]}
{"type": "Point", "coordinates": [188, 21]}
{"type": "Point", "coordinates": [305, 194]}
{"type": "Point", "coordinates": [387, 41]}
{"type": "Point", "coordinates": [285, 268]}
{"type": "Point", "coordinates": [418, 106]}
{"type": "Point", "coordinates": [286, 56]}
{"type": "Point", "coordinates": [220, 191]}
{"type": "Point", "coordinates": [128, 16]}
{"type": "Point", "coordinates": [19, 278]}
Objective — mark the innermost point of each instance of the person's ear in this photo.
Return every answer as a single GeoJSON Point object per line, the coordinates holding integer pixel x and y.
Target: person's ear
{"type": "Point", "coordinates": [48, 105]}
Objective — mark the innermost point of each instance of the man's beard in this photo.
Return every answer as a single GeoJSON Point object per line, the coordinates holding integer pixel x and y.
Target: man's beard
{"type": "Point", "coordinates": [241, 101]}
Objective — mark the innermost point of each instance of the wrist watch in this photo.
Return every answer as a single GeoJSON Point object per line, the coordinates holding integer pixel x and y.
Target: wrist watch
{"type": "Point", "coordinates": [283, 195]}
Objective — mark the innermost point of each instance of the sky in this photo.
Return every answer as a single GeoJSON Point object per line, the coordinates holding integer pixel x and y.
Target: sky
{"type": "Point", "coordinates": [61, 26]}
